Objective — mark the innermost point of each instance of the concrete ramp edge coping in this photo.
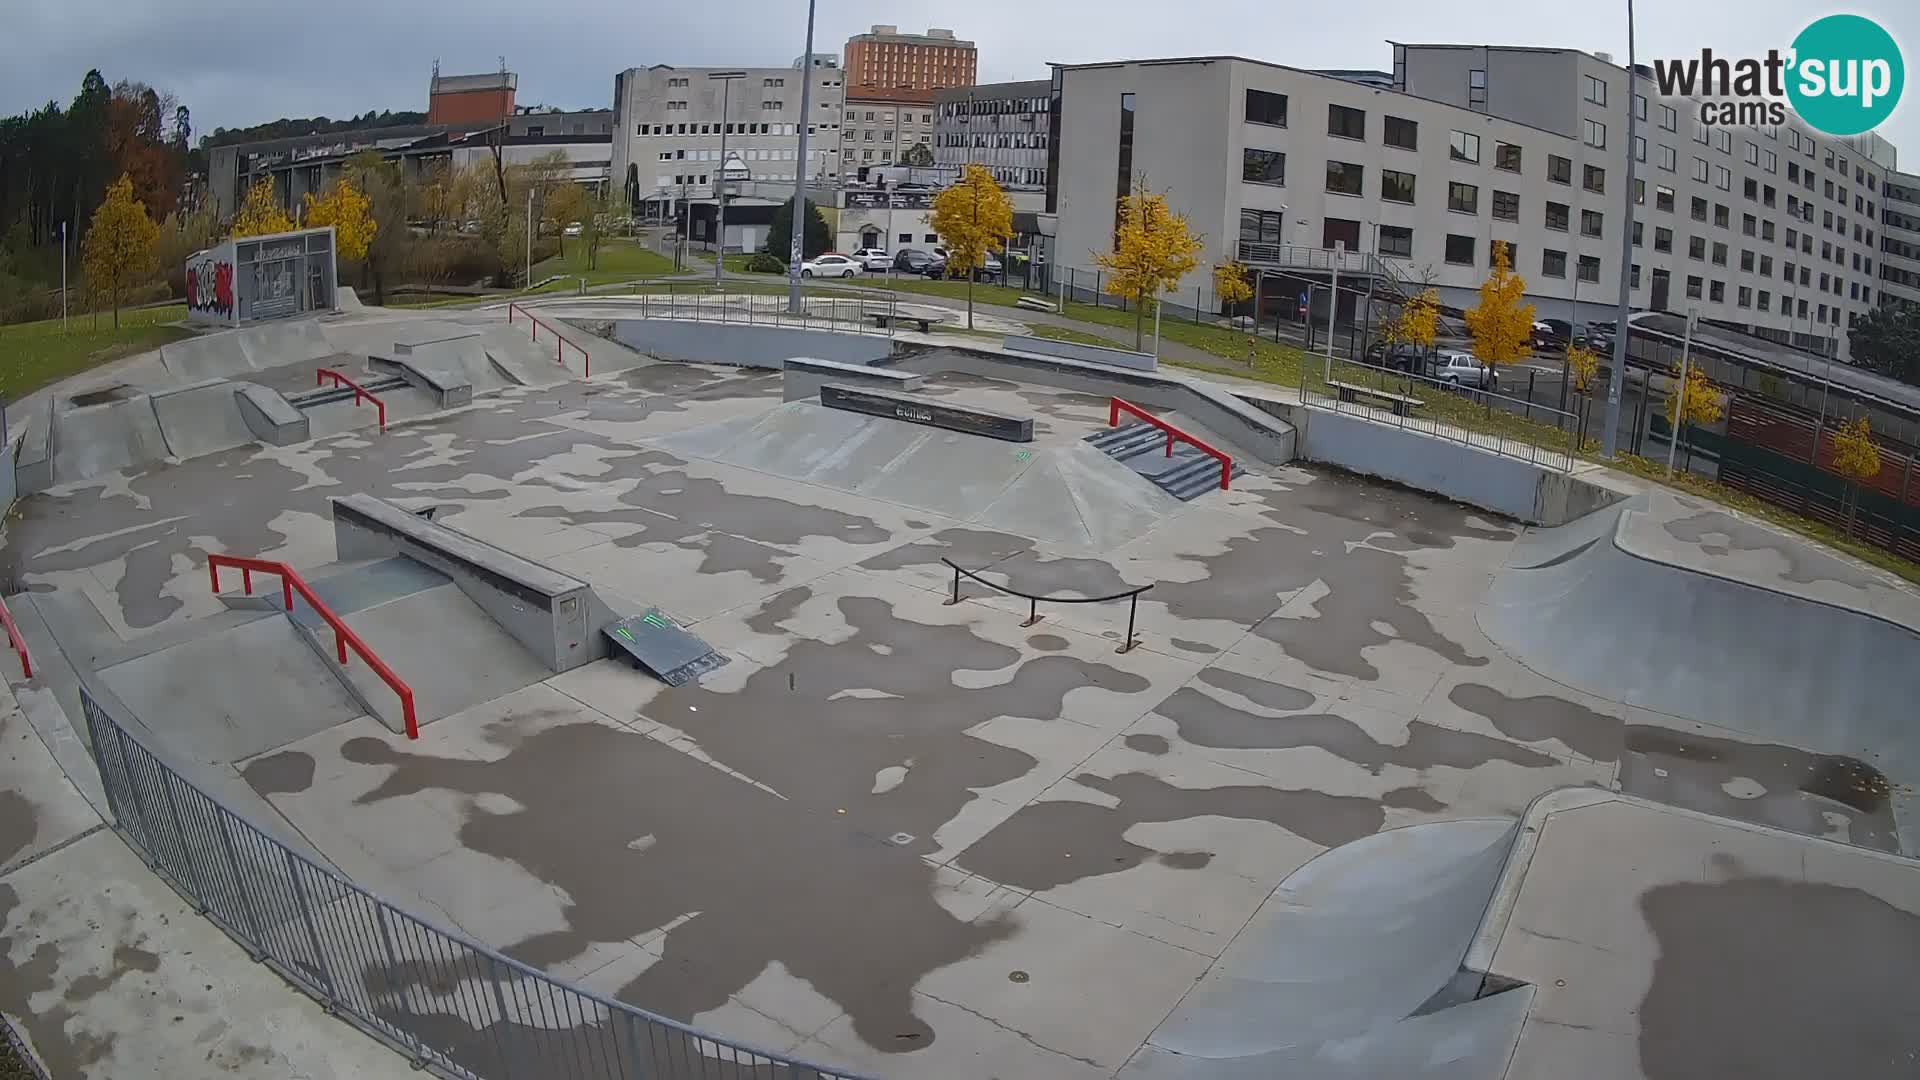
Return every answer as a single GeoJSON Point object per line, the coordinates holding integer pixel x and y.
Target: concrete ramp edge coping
{"type": "Point", "coordinates": [556, 617]}
{"type": "Point", "coordinates": [450, 389]}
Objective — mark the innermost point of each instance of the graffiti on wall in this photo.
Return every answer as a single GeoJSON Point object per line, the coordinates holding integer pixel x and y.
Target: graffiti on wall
{"type": "Point", "coordinates": [210, 287]}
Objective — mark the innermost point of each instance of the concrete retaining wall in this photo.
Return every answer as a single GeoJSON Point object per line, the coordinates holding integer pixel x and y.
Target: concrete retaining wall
{"type": "Point", "coordinates": [270, 416]}
{"type": "Point", "coordinates": [1092, 354]}
{"type": "Point", "coordinates": [1266, 437]}
{"type": "Point", "coordinates": [1521, 490]}
{"type": "Point", "coordinates": [33, 460]}
{"type": "Point", "coordinates": [804, 376]}
{"type": "Point", "coordinates": [745, 346]}
{"type": "Point", "coordinates": [554, 616]}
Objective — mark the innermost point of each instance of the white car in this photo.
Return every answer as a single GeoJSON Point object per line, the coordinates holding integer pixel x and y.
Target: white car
{"type": "Point", "coordinates": [839, 266]}
{"type": "Point", "coordinates": [1458, 369]}
{"type": "Point", "coordinates": [873, 259]}
{"type": "Point", "coordinates": [571, 230]}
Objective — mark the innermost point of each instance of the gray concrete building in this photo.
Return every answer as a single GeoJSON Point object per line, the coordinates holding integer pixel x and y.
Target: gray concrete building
{"type": "Point", "coordinates": [668, 123]}
{"type": "Point", "coordinates": [881, 127]}
{"type": "Point", "coordinates": [1769, 230]}
{"type": "Point", "coordinates": [1002, 126]}
{"type": "Point", "coordinates": [1900, 239]}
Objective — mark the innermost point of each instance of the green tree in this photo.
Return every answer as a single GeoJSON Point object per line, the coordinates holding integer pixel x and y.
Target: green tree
{"type": "Point", "coordinates": [118, 250]}
{"type": "Point", "coordinates": [1153, 249]}
{"type": "Point", "coordinates": [974, 217]}
{"type": "Point", "coordinates": [817, 239]}
{"type": "Point", "coordinates": [1887, 340]}
{"type": "Point", "coordinates": [917, 155]}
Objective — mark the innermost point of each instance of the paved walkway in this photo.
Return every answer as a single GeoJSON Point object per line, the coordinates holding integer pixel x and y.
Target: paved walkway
{"type": "Point", "coordinates": [105, 972]}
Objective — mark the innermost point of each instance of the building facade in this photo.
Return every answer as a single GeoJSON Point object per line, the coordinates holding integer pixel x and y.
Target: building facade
{"type": "Point", "coordinates": [470, 99]}
{"type": "Point", "coordinates": [1900, 239]}
{"type": "Point", "coordinates": [668, 124]}
{"type": "Point", "coordinates": [1003, 126]}
{"type": "Point", "coordinates": [1768, 230]}
{"type": "Point", "coordinates": [880, 128]}
{"type": "Point", "coordinates": [885, 58]}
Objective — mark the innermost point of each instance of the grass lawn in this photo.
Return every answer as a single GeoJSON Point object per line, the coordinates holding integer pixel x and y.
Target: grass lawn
{"type": "Point", "coordinates": [618, 260]}
{"type": "Point", "coordinates": [37, 353]}
{"type": "Point", "coordinates": [1079, 337]}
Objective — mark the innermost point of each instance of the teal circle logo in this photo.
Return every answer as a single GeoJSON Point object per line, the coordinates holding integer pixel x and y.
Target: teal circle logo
{"type": "Point", "coordinates": [1846, 75]}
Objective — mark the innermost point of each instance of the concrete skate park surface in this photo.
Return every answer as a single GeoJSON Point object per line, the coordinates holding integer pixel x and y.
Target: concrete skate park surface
{"type": "Point", "coordinates": [914, 838]}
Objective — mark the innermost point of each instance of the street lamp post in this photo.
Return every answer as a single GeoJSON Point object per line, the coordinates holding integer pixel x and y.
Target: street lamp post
{"type": "Point", "coordinates": [1616, 379]}
{"type": "Point", "coordinates": [725, 79]}
{"type": "Point", "coordinates": [800, 173]}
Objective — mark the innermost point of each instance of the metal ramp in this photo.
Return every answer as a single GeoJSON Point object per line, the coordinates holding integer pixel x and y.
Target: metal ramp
{"type": "Point", "coordinates": [658, 644]}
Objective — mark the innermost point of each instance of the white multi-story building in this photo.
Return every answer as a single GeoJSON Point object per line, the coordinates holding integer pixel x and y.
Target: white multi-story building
{"type": "Point", "coordinates": [1772, 230]}
{"type": "Point", "coordinates": [668, 124]}
{"type": "Point", "coordinates": [880, 128]}
{"type": "Point", "coordinates": [1002, 126]}
{"type": "Point", "coordinates": [1900, 239]}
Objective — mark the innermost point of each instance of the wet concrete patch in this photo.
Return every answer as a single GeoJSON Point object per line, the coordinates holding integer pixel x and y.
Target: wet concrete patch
{"type": "Point", "coordinates": [18, 825]}
{"type": "Point", "coordinates": [1267, 695]}
{"type": "Point", "coordinates": [1772, 978]}
{"type": "Point", "coordinates": [1148, 744]}
{"type": "Point", "coordinates": [1047, 642]}
{"type": "Point", "coordinates": [1719, 533]}
{"type": "Point", "coordinates": [24, 986]}
{"type": "Point", "coordinates": [287, 772]}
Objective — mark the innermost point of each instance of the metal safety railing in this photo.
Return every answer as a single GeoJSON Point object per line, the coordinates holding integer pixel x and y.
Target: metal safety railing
{"type": "Point", "coordinates": [561, 342]}
{"type": "Point", "coordinates": [1411, 401]}
{"type": "Point", "coordinates": [864, 315]}
{"type": "Point", "coordinates": [1116, 406]}
{"type": "Point", "coordinates": [1131, 596]}
{"type": "Point", "coordinates": [448, 1002]}
{"type": "Point", "coordinates": [343, 635]}
{"type": "Point", "coordinates": [359, 392]}
{"type": "Point", "coordinates": [17, 641]}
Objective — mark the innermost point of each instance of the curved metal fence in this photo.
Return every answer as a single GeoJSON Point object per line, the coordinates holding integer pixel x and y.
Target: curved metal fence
{"type": "Point", "coordinates": [453, 1005]}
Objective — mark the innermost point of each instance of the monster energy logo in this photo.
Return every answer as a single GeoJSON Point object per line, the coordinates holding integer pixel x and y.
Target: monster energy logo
{"type": "Point", "coordinates": [653, 619]}
{"type": "Point", "coordinates": [623, 633]}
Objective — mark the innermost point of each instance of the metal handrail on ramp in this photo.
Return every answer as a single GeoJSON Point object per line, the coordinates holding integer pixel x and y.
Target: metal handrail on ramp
{"type": "Point", "coordinates": [1132, 596]}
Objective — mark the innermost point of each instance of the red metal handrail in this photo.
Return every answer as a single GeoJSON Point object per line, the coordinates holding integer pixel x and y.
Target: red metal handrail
{"type": "Point", "coordinates": [343, 635]}
{"type": "Point", "coordinates": [561, 342]}
{"type": "Point", "coordinates": [359, 391]}
{"type": "Point", "coordinates": [16, 639]}
{"type": "Point", "coordinates": [1116, 407]}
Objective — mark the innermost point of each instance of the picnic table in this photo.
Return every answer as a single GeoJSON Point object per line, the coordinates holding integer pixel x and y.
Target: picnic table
{"type": "Point", "coordinates": [1402, 404]}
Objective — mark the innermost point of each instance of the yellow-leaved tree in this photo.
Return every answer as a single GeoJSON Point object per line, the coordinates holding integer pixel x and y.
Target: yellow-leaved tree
{"type": "Point", "coordinates": [1857, 458]}
{"type": "Point", "coordinates": [260, 213]}
{"type": "Point", "coordinates": [1418, 322]}
{"type": "Point", "coordinates": [973, 217]}
{"type": "Point", "coordinates": [345, 207]}
{"type": "Point", "coordinates": [1691, 401]}
{"type": "Point", "coordinates": [1502, 322]}
{"type": "Point", "coordinates": [1582, 365]}
{"type": "Point", "coordinates": [118, 250]}
{"type": "Point", "coordinates": [1153, 249]}
{"type": "Point", "coordinates": [1230, 284]}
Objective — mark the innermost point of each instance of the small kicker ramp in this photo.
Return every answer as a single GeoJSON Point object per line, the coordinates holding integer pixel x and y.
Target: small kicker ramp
{"type": "Point", "coordinates": [202, 418]}
{"type": "Point", "coordinates": [658, 644]}
{"type": "Point", "coordinates": [103, 433]}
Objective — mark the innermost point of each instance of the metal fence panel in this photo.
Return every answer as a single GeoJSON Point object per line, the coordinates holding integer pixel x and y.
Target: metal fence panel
{"type": "Point", "coordinates": [448, 1002]}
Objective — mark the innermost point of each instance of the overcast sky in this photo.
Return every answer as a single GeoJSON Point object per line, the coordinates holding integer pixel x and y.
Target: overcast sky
{"type": "Point", "coordinates": [239, 62]}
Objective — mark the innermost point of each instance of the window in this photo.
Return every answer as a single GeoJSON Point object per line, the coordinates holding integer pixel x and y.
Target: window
{"type": "Point", "coordinates": [1633, 276]}
{"type": "Point", "coordinates": [1749, 225]}
{"type": "Point", "coordinates": [1463, 198]}
{"type": "Point", "coordinates": [1640, 106]}
{"type": "Point", "coordinates": [1124, 171]}
{"type": "Point", "coordinates": [1722, 178]}
{"type": "Point", "coordinates": [1265, 108]}
{"type": "Point", "coordinates": [1263, 167]}
{"type": "Point", "coordinates": [1402, 133]}
{"type": "Point", "coordinates": [1697, 248]}
{"type": "Point", "coordinates": [1695, 285]}
{"type": "Point", "coordinates": [1700, 132]}
{"type": "Point", "coordinates": [1744, 296]}
{"type": "Point", "coordinates": [1261, 226]}
{"type": "Point", "coordinates": [1590, 221]}
{"type": "Point", "coordinates": [1477, 89]}
{"type": "Point", "coordinates": [1594, 133]}
{"type": "Point", "coordinates": [1750, 188]}
{"type": "Point", "coordinates": [1700, 170]}
{"type": "Point", "coordinates": [1464, 147]}
{"type": "Point", "coordinates": [1721, 215]}
{"type": "Point", "coordinates": [1723, 140]}
{"type": "Point", "coordinates": [1589, 268]}
{"type": "Point", "coordinates": [1770, 161]}
{"type": "Point", "coordinates": [1698, 209]}
{"type": "Point", "coordinates": [1768, 196]}
{"type": "Point", "coordinates": [1557, 216]}
{"type": "Point", "coordinates": [1506, 206]}
{"type": "Point", "coordinates": [1396, 186]}
{"type": "Point", "coordinates": [1506, 156]}
{"type": "Point", "coordinates": [1513, 252]}
{"type": "Point", "coordinates": [930, 238]}
{"type": "Point", "coordinates": [1596, 91]}
{"type": "Point", "coordinates": [1460, 249]}
{"type": "Point", "coordinates": [1638, 234]}
{"type": "Point", "coordinates": [1719, 254]}
{"type": "Point", "coordinates": [1766, 266]}
{"type": "Point", "coordinates": [1553, 263]}
{"type": "Point", "coordinates": [1669, 120]}
{"type": "Point", "coordinates": [1346, 123]}
{"type": "Point", "coordinates": [1396, 241]}
{"type": "Point", "coordinates": [1668, 159]}
{"type": "Point", "coordinates": [1594, 179]}
{"type": "Point", "coordinates": [1717, 292]}
{"type": "Point", "coordinates": [1639, 192]}
{"type": "Point", "coordinates": [1559, 169]}
{"type": "Point", "coordinates": [1662, 239]}
{"type": "Point", "coordinates": [1663, 198]}
{"type": "Point", "coordinates": [1746, 261]}
{"type": "Point", "coordinates": [1751, 153]}
{"type": "Point", "coordinates": [1344, 177]}
{"type": "Point", "coordinates": [1639, 148]}
{"type": "Point", "coordinates": [1766, 301]}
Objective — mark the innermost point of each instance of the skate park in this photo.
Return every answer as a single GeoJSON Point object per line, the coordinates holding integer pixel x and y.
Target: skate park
{"type": "Point", "coordinates": [1381, 756]}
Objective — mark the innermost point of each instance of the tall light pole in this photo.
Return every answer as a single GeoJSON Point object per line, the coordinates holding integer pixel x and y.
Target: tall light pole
{"type": "Point", "coordinates": [529, 236]}
{"type": "Point", "coordinates": [800, 173]}
{"type": "Point", "coordinates": [1617, 378]}
{"type": "Point", "coordinates": [63, 277]}
{"type": "Point", "coordinates": [720, 175]}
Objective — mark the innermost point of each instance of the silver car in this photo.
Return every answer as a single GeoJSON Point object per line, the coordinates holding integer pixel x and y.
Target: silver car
{"type": "Point", "coordinates": [1455, 368]}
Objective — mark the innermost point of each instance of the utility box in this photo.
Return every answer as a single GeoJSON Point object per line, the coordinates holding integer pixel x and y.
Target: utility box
{"type": "Point", "coordinates": [253, 279]}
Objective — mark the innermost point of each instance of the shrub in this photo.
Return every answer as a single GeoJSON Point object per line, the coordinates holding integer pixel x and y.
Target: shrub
{"type": "Point", "coordinates": [764, 262]}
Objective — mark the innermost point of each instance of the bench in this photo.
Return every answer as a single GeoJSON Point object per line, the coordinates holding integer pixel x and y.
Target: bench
{"type": "Point", "coordinates": [1034, 303]}
{"type": "Point", "coordinates": [1401, 403]}
{"type": "Point", "coordinates": [883, 319]}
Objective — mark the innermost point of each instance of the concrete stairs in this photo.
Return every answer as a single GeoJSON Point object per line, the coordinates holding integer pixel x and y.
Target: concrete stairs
{"type": "Point", "coordinates": [1186, 475]}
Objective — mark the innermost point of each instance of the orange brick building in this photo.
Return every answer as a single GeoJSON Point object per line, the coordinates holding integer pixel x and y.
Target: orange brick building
{"type": "Point", "coordinates": [471, 99]}
{"type": "Point", "coordinates": [886, 59]}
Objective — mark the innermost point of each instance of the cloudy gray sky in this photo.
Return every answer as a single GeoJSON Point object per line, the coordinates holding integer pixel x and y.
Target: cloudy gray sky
{"type": "Point", "coordinates": [237, 62]}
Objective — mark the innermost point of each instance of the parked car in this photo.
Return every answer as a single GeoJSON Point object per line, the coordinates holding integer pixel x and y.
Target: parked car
{"type": "Point", "coordinates": [571, 230]}
{"type": "Point", "coordinates": [1552, 333]}
{"type": "Point", "coordinates": [989, 269]}
{"type": "Point", "coordinates": [1399, 357]}
{"type": "Point", "coordinates": [915, 261]}
{"type": "Point", "coordinates": [839, 266]}
{"type": "Point", "coordinates": [873, 259]}
{"type": "Point", "coordinates": [1600, 336]}
{"type": "Point", "coordinates": [1455, 368]}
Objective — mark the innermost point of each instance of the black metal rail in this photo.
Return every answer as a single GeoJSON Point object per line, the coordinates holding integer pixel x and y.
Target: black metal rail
{"type": "Point", "coordinates": [1131, 596]}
